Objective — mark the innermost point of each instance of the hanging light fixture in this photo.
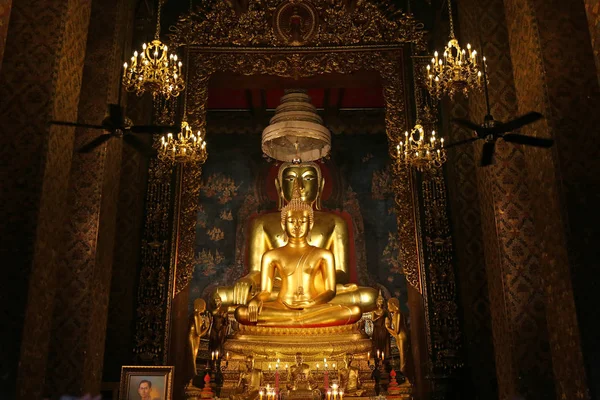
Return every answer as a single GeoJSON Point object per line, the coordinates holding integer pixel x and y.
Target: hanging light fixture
{"type": "Point", "coordinates": [186, 146]}
{"type": "Point", "coordinates": [153, 69]}
{"type": "Point", "coordinates": [421, 148]}
{"type": "Point", "coordinates": [456, 71]}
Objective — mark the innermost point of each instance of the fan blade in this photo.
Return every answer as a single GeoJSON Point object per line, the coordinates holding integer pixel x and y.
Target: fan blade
{"type": "Point", "coordinates": [116, 115]}
{"type": "Point", "coordinates": [153, 129]}
{"type": "Point", "coordinates": [95, 143]}
{"type": "Point", "coordinates": [460, 142]}
{"type": "Point", "coordinates": [528, 140]}
{"type": "Point", "coordinates": [76, 124]}
{"type": "Point", "coordinates": [138, 145]}
{"type": "Point", "coordinates": [517, 123]}
{"type": "Point", "coordinates": [487, 155]}
{"type": "Point", "coordinates": [467, 124]}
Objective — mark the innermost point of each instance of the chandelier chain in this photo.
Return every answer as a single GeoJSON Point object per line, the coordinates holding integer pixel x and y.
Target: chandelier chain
{"type": "Point", "coordinates": [451, 19]}
{"type": "Point", "coordinates": [187, 69]}
{"type": "Point", "coordinates": [158, 16]}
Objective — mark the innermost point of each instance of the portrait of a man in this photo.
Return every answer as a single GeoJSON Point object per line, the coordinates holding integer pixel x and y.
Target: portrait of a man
{"type": "Point", "coordinates": [146, 387]}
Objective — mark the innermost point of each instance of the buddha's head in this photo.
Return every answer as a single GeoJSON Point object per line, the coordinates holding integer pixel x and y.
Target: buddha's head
{"type": "Point", "coordinates": [380, 301]}
{"type": "Point", "coordinates": [199, 306]}
{"type": "Point", "coordinates": [250, 363]}
{"type": "Point", "coordinates": [217, 300]}
{"type": "Point", "coordinates": [297, 217]}
{"type": "Point", "coordinates": [307, 176]}
{"type": "Point", "coordinates": [393, 305]}
{"type": "Point", "coordinates": [348, 358]}
{"type": "Point", "coordinates": [299, 358]}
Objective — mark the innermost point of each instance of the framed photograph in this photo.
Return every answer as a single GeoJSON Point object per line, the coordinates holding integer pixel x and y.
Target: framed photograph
{"type": "Point", "coordinates": [146, 383]}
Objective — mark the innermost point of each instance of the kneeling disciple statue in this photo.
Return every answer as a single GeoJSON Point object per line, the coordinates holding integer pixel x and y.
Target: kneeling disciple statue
{"type": "Point", "coordinates": [308, 280]}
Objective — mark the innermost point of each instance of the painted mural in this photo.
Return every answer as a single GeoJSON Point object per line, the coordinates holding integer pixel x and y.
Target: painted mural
{"type": "Point", "coordinates": [238, 183]}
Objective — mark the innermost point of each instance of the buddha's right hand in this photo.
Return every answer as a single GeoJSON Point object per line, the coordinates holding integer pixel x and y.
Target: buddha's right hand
{"type": "Point", "coordinates": [254, 309]}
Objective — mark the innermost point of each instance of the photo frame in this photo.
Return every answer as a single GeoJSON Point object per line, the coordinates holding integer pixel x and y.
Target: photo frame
{"type": "Point", "coordinates": [140, 382]}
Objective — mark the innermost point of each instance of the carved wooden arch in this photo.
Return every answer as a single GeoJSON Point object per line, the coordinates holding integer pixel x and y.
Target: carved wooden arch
{"type": "Point", "coordinates": [293, 64]}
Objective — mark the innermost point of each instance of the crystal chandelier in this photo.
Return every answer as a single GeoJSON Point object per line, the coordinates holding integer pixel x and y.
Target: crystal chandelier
{"type": "Point", "coordinates": [153, 69]}
{"type": "Point", "coordinates": [186, 146]}
{"type": "Point", "coordinates": [456, 71]}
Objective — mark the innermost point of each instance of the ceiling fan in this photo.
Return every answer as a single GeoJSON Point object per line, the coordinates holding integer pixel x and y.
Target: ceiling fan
{"type": "Point", "coordinates": [491, 130]}
{"type": "Point", "coordinates": [118, 125]}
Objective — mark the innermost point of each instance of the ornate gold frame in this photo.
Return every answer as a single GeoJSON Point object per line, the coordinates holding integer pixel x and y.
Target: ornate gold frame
{"type": "Point", "coordinates": [351, 35]}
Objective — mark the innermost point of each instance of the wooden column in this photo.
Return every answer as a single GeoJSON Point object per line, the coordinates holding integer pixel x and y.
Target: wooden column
{"type": "Point", "coordinates": [40, 80]}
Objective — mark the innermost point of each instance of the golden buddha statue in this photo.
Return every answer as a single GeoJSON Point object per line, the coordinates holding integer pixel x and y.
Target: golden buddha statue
{"type": "Point", "coordinates": [350, 377]}
{"type": "Point", "coordinates": [396, 326]}
{"type": "Point", "coordinates": [308, 280]}
{"type": "Point", "coordinates": [250, 382]}
{"type": "Point", "coordinates": [199, 325]}
{"type": "Point", "coordinates": [328, 231]}
{"type": "Point", "coordinates": [299, 377]}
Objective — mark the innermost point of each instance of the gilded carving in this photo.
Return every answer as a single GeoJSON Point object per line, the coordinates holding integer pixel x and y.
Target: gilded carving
{"type": "Point", "coordinates": [295, 23]}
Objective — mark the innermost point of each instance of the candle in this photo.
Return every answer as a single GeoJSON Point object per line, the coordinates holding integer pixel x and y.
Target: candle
{"type": "Point", "coordinates": [377, 353]}
{"type": "Point", "coordinates": [212, 355]}
{"type": "Point", "coordinates": [217, 352]}
{"type": "Point", "coordinates": [368, 356]}
{"type": "Point", "coordinates": [227, 352]}
{"type": "Point", "coordinates": [260, 394]}
{"type": "Point", "coordinates": [317, 367]}
{"type": "Point", "coordinates": [269, 366]}
{"type": "Point", "coordinates": [328, 395]}
{"type": "Point", "coordinates": [341, 394]}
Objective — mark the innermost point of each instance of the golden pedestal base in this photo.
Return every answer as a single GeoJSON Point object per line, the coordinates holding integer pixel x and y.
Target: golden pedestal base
{"type": "Point", "coordinates": [316, 343]}
{"type": "Point", "coordinates": [267, 345]}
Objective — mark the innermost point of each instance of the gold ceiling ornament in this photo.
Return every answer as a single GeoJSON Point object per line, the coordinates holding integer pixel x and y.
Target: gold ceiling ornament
{"type": "Point", "coordinates": [153, 69]}
{"type": "Point", "coordinates": [297, 22]}
{"type": "Point", "coordinates": [456, 71]}
{"type": "Point", "coordinates": [296, 132]}
{"type": "Point", "coordinates": [186, 146]}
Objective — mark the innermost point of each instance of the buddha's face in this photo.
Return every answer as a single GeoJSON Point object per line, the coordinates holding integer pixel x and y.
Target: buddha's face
{"type": "Point", "coordinates": [380, 302]}
{"type": "Point", "coordinates": [297, 223]}
{"type": "Point", "coordinates": [307, 179]}
{"type": "Point", "coordinates": [218, 301]}
{"type": "Point", "coordinates": [299, 359]}
{"type": "Point", "coordinates": [249, 363]}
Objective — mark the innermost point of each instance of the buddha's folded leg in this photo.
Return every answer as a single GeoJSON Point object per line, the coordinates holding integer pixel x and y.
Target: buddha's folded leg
{"type": "Point", "coordinates": [365, 297]}
{"type": "Point", "coordinates": [317, 316]}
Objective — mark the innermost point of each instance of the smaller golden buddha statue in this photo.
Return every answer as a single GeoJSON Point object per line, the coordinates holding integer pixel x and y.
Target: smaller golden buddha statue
{"type": "Point", "coordinates": [308, 280]}
{"type": "Point", "coordinates": [200, 323]}
{"type": "Point", "coordinates": [350, 378]}
{"type": "Point", "coordinates": [250, 382]}
{"type": "Point", "coordinates": [220, 324]}
{"type": "Point", "coordinates": [381, 337]}
{"type": "Point", "coordinates": [299, 377]}
{"type": "Point", "coordinates": [395, 323]}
